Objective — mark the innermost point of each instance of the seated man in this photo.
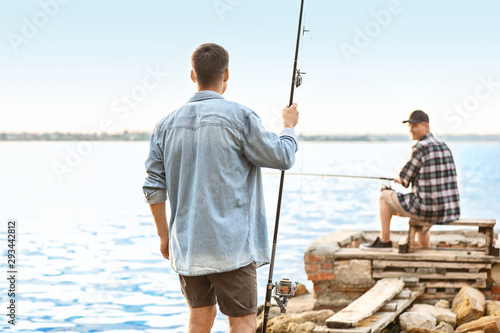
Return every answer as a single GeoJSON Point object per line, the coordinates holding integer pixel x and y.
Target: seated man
{"type": "Point", "coordinates": [434, 192]}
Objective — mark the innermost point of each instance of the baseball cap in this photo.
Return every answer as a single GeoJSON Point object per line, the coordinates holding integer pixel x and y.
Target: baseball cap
{"type": "Point", "coordinates": [417, 116]}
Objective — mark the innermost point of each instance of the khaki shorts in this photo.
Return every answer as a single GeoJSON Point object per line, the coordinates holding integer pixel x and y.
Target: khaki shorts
{"type": "Point", "coordinates": [235, 291]}
{"type": "Point", "coordinates": [396, 208]}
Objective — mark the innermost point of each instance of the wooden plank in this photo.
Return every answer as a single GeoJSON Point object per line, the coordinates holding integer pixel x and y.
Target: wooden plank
{"type": "Point", "coordinates": [417, 264]}
{"type": "Point", "coordinates": [377, 322]}
{"type": "Point", "coordinates": [366, 305]}
{"type": "Point", "coordinates": [437, 296]}
{"type": "Point", "coordinates": [479, 283]}
{"type": "Point", "coordinates": [462, 222]}
{"type": "Point", "coordinates": [410, 281]}
{"type": "Point", "coordinates": [411, 239]}
{"type": "Point", "coordinates": [404, 294]}
{"type": "Point", "coordinates": [447, 276]}
{"type": "Point", "coordinates": [423, 255]}
{"type": "Point", "coordinates": [380, 320]}
{"type": "Point", "coordinates": [488, 238]}
{"type": "Point", "coordinates": [389, 307]}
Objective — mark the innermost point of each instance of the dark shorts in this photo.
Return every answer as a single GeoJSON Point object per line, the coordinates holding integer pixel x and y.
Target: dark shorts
{"type": "Point", "coordinates": [235, 291]}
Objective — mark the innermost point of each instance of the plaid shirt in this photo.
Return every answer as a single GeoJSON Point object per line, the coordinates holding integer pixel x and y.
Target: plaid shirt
{"type": "Point", "coordinates": [433, 178]}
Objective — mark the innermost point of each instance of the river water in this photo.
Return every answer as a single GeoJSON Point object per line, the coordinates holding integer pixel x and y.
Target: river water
{"type": "Point", "coordinates": [87, 254]}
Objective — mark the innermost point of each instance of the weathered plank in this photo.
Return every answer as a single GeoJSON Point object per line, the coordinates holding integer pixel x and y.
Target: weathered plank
{"type": "Point", "coordinates": [480, 283]}
{"type": "Point", "coordinates": [410, 281]}
{"type": "Point", "coordinates": [423, 255]}
{"type": "Point", "coordinates": [377, 322]}
{"type": "Point", "coordinates": [389, 307]}
{"type": "Point", "coordinates": [428, 264]}
{"type": "Point", "coordinates": [485, 226]}
{"type": "Point", "coordinates": [366, 305]}
{"type": "Point", "coordinates": [437, 296]}
{"type": "Point", "coordinates": [380, 320]}
{"type": "Point", "coordinates": [431, 291]}
{"type": "Point", "coordinates": [462, 222]}
{"type": "Point", "coordinates": [447, 276]}
{"type": "Point", "coordinates": [404, 294]}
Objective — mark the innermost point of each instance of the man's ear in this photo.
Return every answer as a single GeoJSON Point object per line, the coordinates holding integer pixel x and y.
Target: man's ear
{"type": "Point", "coordinates": [193, 77]}
{"type": "Point", "coordinates": [226, 75]}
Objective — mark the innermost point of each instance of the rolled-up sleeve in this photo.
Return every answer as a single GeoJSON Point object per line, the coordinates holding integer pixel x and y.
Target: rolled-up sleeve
{"type": "Point", "coordinates": [266, 149]}
{"type": "Point", "coordinates": [155, 188]}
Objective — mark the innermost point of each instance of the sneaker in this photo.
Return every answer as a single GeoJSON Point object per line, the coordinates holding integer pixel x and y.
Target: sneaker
{"type": "Point", "coordinates": [377, 245]}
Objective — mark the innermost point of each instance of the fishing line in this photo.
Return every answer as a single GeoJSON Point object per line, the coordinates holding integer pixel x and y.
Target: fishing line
{"type": "Point", "coordinates": [327, 175]}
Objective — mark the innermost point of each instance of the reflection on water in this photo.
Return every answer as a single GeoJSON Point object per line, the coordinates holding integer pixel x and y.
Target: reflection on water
{"type": "Point", "coordinates": [88, 254]}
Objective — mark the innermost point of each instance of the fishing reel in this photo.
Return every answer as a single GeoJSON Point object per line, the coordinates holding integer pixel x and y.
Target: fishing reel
{"type": "Point", "coordinates": [298, 78]}
{"type": "Point", "coordinates": [283, 290]}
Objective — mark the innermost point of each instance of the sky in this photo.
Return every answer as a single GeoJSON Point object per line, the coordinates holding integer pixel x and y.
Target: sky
{"type": "Point", "coordinates": [109, 65]}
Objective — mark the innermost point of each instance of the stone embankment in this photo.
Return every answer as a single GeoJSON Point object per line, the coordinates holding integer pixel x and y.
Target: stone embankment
{"type": "Point", "coordinates": [469, 312]}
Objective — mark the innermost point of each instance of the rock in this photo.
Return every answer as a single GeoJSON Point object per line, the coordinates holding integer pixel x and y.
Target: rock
{"type": "Point", "coordinates": [295, 322]}
{"type": "Point", "coordinates": [412, 329]}
{"type": "Point", "coordinates": [440, 314]}
{"type": "Point", "coordinates": [495, 274]}
{"type": "Point", "coordinates": [442, 303]}
{"type": "Point", "coordinates": [317, 317]}
{"type": "Point", "coordinates": [306, 327]}
{"type": "Point", "coordinates": [444, 327]}
{"type": "Point", "coordinates": [274, 312]}
{"type": "Point", "coordinates": [468, 304]}
{"type": "Point", "coordinates": [300, 290]}
{"type": "Point", "coordinates": [492, 308]}
{"type": "Point", "coordinates": [417, 319]}
{"type": "Point", "coordinates": [279, 324]}
{"type": "Point", "coordinates": [353, 274]}
{"type": "Point", "coordinates": [488, 324]}
{"type": "Point", "coordinates": [301, 303]}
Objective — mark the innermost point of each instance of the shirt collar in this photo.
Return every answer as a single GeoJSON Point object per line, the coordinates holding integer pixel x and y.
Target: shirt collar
{"type": "Point", "coordinates": [426, 137]}
{"type": "Point", "coordinates": [205, 94]}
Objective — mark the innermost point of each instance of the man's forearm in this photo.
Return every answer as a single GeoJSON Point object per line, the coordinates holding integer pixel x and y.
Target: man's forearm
{"type": "Point", "coordinates": [160, 218]}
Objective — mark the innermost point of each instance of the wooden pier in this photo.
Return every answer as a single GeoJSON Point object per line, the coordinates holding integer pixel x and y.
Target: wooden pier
{"type": "Point", "coordinates": [341, 272]}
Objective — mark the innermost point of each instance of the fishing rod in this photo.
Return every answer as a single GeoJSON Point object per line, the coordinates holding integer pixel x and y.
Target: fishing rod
{"type": "Point", "coordinates": [330, 175]}
{"type": "Point", "coordinates": [284, 289]}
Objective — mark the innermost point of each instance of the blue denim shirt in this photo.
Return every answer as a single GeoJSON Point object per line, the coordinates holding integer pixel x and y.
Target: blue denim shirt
{"type": "Point", "coordinates": [206, 156]}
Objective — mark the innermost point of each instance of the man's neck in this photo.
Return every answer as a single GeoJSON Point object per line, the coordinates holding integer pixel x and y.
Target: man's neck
{"type": "Point", "coordinates": [218, 90]}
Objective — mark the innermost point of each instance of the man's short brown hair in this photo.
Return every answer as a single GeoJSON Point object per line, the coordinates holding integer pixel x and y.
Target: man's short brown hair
{"type": "Point", "coordinates": [209, 62]}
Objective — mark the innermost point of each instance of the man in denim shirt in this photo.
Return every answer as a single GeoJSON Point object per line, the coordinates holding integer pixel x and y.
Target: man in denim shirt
{"type": "Point", "coordinates": [206, 158]}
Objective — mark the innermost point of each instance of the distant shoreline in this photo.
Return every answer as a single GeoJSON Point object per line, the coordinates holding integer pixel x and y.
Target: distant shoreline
{"type": "Point", "coordinates": [144, 136]}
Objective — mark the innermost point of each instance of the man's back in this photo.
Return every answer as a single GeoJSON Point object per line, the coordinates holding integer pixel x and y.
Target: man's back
{"type": "Point", "coordinates": [433, 176]}
{"type": "Point", "coordinates": [211, 151]}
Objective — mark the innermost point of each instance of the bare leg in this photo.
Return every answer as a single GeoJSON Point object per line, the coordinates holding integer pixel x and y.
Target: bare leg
{"type": "Point", "coordinates": [385, 217]}
{"type": "Point", "coordinates": [245, 324]}
{"type": "Point", "coordinates": [423, 239]}
{"type": "Point", "coordinates": [201, 319]}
